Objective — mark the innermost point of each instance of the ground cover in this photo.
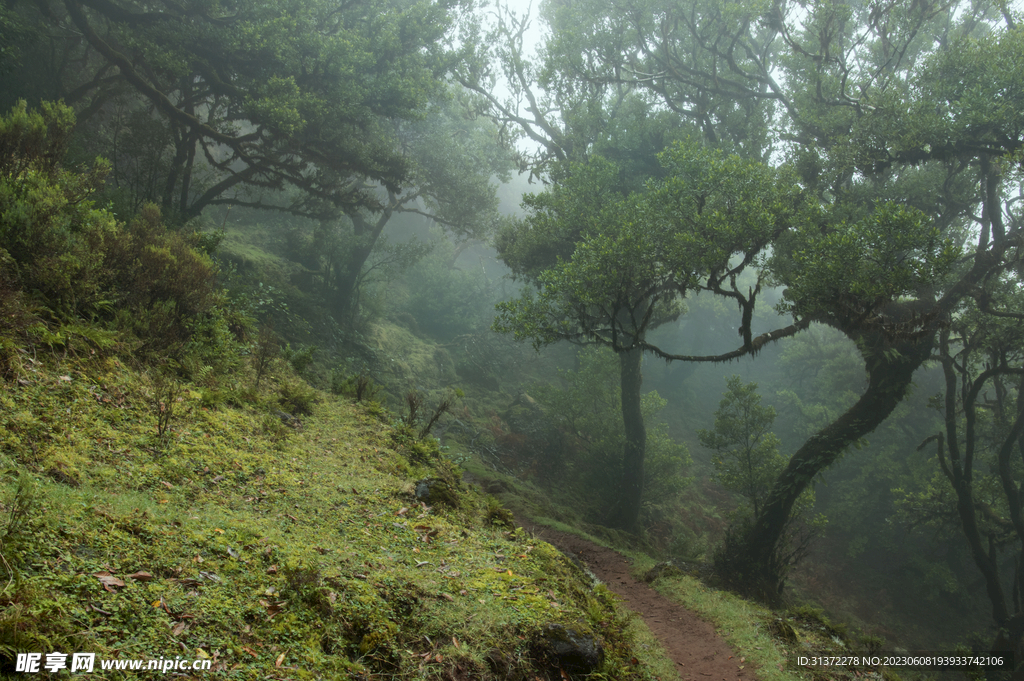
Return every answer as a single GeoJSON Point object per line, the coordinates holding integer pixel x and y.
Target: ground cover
{"type": "Point", "coordinates": [143, 521]}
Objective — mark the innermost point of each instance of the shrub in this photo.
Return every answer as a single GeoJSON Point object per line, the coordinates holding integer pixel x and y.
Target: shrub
{"type": "Point", "coordinates": [296, 397]}
{"type": "Point", "coordinates": [163, 279]}
{"type": "Point", "coordinates": [48, 225]}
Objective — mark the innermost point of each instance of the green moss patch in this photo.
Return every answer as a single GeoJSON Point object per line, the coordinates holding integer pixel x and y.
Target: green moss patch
{"type": "Point", "coordinates": [270, 550]}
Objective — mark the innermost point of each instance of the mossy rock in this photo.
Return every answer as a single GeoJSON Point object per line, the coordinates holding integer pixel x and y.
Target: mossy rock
{"type": "Point", "coordinates": [436, 492]}
{"type": "Point", "coordinates": [665, 569]}
{"type": "Point", "coordinates": [782, 630]}
{"type": "Point", "coordinates": [570, 650]}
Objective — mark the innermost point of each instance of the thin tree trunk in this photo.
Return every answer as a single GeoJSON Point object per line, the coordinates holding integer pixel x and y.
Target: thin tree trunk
{"type": "Point", "coordinates": [627, 510]}
{"type": "Point", "coordinates": [346, 282]}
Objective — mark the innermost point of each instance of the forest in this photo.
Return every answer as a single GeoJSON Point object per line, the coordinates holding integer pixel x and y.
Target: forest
{"type": "Point", "coordinates": [735, 285]}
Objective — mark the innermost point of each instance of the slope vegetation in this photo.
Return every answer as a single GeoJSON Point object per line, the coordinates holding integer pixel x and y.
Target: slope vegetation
{"type": "Point", "coordinates": [341, 547]}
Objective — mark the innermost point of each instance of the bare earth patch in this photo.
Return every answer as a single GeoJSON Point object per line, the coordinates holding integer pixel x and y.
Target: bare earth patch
{"type": "Point", "coordinates": [699, 652]}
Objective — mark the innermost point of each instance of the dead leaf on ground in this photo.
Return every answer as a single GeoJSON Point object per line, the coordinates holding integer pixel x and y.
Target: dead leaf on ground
{"type": "Point", "coordinates": [108, 580]}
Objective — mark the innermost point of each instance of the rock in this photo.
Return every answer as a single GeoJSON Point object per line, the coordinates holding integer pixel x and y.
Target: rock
{"type": "Point", "coordinates": [497, 662]}
{"type": "Point", "coordinates": [782, 630]}
{"type": "Point", "coordinates": [666, 569]}
{"type": "Point", "coordinates": [287, 418]}
{"type": "Point", "coordinates": [436, 492]}
{"type": "Point", "coordinates": [570, 650]}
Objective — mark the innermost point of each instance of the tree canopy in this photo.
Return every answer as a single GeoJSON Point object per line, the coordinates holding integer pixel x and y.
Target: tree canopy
{"type": "Point", "coordinates": [250, 97]}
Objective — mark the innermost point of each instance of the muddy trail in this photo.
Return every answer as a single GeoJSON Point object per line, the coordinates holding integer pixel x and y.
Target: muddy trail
{"type": "Point", "coordinates": [699, 652]}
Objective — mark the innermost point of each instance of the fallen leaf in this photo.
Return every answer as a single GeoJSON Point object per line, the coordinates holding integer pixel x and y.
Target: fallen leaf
{"type": "Point", "coordinates": [280, 660]}
{"type": "Point", "coordinates": [250, 651]}
{"type": "Point", "coordinates": [141, 576]}
{"type": "Point", "coordinates": [402, 511]}
{"type": "Point", "coordinates": [455, 641]}
{"type": "Point", "coordinates": [447, 597]}
{"type": "Point", "coordinates": [218, 530]}
{"type": "Point", "coordinates": [166, 484]}
{"type": "Point", "coordinates": [178, 629]}
{"type": "Point", "coordinates": [438, 658]}
{"type": "Point", "coordinates": [272, 570]}
{"type": "Point", "coordinates": [108, 580]}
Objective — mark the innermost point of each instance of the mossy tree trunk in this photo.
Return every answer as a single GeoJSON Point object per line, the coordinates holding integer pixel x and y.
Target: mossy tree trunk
{"type": "Point", "coordinates": [626, 512]}
{"type": "Point", "coordinates": [756, 560]}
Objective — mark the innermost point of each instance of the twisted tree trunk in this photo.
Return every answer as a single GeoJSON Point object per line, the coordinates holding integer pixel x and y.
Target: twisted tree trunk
{"type": "Point", "coordinates": [755, 560]}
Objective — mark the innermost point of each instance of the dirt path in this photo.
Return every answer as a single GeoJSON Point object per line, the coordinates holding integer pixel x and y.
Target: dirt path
{"type": "Point", "coordinates": [699, 653]}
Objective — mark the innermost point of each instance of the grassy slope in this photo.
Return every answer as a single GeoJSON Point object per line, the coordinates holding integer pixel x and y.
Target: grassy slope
{"type": "Point", "coordinates": [277, 553]}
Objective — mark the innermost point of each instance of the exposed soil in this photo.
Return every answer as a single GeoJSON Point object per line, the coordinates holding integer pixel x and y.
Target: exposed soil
{"type": "Point", "coordinates": [700, 654]}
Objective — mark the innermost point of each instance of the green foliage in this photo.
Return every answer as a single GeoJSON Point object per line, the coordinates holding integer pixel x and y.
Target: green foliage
{"type": "Point", "coordinates": [297, 86]}
{"type": "Point", "coordinates": [860, 260]}
{"type": "Point", "coordinates": [360, 386]}
{"type": "Point", "coordinates": [296, 396]}
{"type": "Point", "coordinates": [587, 415]}
{"type": "Point", "coordinates": [263, 351]}
{"type": "Point", "coordinates": [300, 359]}
{"type": "Point", "coordinates": [309, 544]}
{"type": "Point", "coordinates": [48, 225]}
{"type": "Point", "coordinates": [746, 458]}
{"type": "Point", "coordinates": [166, 395]}
{"type": "Point", "coordinates": [448, 301]}
{"type": "Point", "coordinates": [77, 261]}
{"type": "Point", "coordinates": [164, 286]}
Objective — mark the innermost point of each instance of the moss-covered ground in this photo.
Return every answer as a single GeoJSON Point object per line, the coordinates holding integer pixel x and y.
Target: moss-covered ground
{"type": "Point", "coordinates": [276, 552]}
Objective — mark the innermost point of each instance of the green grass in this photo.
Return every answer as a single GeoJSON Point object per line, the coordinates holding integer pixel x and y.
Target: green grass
{"type": "Point", "coordinates": [274, 552]}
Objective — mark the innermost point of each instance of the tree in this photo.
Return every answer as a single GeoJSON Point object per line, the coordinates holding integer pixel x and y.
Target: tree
{"type": "Point", "coordinates": [895, 119]}
{"type": "Point", "coordinates": [453, 158]}
{"type": "Point", "coordinates": [586, 411]}
{"type": "Point", "coordinates": [251, 98]}
{"type": "Point", "coordinates": [980, 449]}
{"type": "Point", "coordinates": [746, 458]}
{"type": "Point", "coordinates": [637, 258]}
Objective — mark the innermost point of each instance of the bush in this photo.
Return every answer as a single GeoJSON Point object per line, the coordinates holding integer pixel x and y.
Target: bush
{"type": "Point", "coordinates": [78, 261]}
{"type": "Point", "coordinates": [296, 397]}
{"type": "Point", "coordinates": [48, 226]}
{"type": "Point", "coordinates": [166, 283]}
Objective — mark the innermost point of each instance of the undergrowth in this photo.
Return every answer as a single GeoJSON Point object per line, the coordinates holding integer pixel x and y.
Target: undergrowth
{"type": "Point", "coordinates": [223, 532]}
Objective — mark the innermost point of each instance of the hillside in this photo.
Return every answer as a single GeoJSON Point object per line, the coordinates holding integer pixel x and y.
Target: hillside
{"type": "Point", "coordinates": [342, 547]}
